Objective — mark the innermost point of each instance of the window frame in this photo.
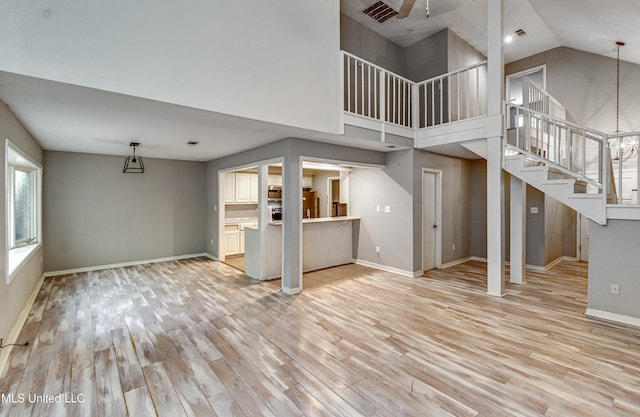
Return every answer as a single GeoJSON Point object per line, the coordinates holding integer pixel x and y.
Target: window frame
{"type": "Point", "coordinates": [18, 252]}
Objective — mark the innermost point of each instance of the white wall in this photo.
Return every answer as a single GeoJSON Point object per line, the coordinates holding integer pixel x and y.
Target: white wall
{"type": "Point", "coordinates": [14, 296]}
{"type": "Point", "coordinates": [275, 60]}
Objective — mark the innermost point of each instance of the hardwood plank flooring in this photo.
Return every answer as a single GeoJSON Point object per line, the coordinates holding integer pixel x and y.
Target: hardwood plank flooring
{"type": "Point", "coordinates": [199, 338]}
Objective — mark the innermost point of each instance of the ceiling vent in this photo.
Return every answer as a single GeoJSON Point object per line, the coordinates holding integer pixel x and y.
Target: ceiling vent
{"type": "Point", "coordinates": [520, 32]}
{"type": "Point", "coordinates": [380, 11]}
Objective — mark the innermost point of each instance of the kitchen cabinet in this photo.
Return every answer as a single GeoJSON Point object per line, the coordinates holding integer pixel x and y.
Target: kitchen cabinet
{"type": "Point", "coordinates": [232, 235]}
{"type": "Point", "coordinates": [240, 188]}
{"type": "Point", "coordinates": [229, 187]}
{"type": "Point", "coordinates": [307, 182]}
{"type": "Point", "coordinates": [275, 180]}
{"type": "Point", "coordinates": [243, 187]}
{"type": "Point", "coordinates": [253, 188]}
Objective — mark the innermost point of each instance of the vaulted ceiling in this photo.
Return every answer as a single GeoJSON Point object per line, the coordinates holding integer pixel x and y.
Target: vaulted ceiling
{"type": "Point", "coordinates": [63, 117]}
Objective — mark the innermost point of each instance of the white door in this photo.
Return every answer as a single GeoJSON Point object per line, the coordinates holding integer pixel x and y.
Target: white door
{"type": "Point", "coordinates": [583, 241]}
{"type": "Point", "coordinates": [429, 225]}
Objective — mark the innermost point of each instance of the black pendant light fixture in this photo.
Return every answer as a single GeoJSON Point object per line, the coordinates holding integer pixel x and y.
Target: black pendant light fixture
{"type": "Point", "coordinates": [133, 164]}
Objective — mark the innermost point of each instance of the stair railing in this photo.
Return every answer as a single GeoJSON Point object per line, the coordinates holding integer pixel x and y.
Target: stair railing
{"type": "Point", "coordinates": [567, 147]}
{"type": "Point", "coordinates": [536, 98]}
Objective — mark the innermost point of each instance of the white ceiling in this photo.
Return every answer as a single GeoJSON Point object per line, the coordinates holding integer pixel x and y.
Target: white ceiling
{"type": "Point", "coordinates": [588, 25]}
{"type": "Point", "coordinates": [71, 118]}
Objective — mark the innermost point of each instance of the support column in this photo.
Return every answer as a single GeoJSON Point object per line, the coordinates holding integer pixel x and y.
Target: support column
{"type": "Point", "coordinates": [518, 230]}
{"type": "Point", "coordinates": [292, 225]}
{"type": "Point", "coordinates": [264, 216]}
{"type": "Point", "coordinates": [495, 177]}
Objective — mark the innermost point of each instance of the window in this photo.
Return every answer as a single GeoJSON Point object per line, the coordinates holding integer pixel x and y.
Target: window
{"type": "Point", "coordinates": [23, 207]}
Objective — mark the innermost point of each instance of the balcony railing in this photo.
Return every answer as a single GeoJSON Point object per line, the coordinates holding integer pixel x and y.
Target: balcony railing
{"type": "Point", "coordinates": [373, 92]}
{"type": "Point", "coordinates": [454, 96]}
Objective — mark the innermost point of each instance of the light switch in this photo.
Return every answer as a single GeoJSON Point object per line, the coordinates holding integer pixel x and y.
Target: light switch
{"type": "Point", "coordinates": [534, 210]}
{"type": "Point", "coordinates": [387, 209]}
{"type": "Point", "coordinates": [378, 209]}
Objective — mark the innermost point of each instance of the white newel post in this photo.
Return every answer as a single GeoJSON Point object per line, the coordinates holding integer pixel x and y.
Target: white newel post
{"type": "Point", "coordinates": [292, 226]}
{"type": "Point", "coordinates": [495, 178]}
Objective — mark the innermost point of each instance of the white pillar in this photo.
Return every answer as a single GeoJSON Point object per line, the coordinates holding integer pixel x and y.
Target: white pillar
{"type": "Point", "coordinates": [292, 225]}
{"type": "Point", "coordinates": [264, 216]}
{"type": "Point", "coordinates": [495, 178]}
{"type": "Point", "coordinates": [518, 230]}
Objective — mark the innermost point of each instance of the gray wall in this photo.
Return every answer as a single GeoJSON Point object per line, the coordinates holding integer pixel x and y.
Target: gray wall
{"type": "Point", "coordinates": [536, 228]}
{"type": "Point", "coordinates": [363, 42]}
{"type": "Point", "coordinates": [96, 215]}
{"type": "Point", "coordinates": [427, 58]}
{"type": "Point", "coordinates": [560, 230]}
{"type": "Point", "coordinates": [393, 231]}
{"type": "Point", "coordinates": [613, 259]}
{"type": "Point", "coordinates": [14, 296]}
{"type": "Point", "coordinates": [436, 55]}
{"type": "Point", "coordinates": [459, 53]}
{"type": "Point", "coordinates": [456, 204]}
{"type": "Point", "coordinates": [586, 85]}
{"type": "Point", "coordinates": [478, 209]}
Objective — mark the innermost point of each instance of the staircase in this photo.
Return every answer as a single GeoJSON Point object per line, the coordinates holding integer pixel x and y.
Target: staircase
{"type": "Point", "coordinates": [571, 192]}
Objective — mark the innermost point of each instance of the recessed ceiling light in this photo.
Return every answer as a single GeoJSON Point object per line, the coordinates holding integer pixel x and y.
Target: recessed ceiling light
{"type": "Point", "coordinates": [508, 39]}
{"type": "Point", "coordinates": [192, 142]}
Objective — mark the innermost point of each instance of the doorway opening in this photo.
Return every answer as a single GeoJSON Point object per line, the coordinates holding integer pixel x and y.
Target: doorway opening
{"type": "Point", "coordinates": [431, 219]}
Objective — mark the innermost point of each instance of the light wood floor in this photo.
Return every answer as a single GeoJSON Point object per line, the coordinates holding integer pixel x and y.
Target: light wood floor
{"type": "Point", "coordinates": [197, 338]}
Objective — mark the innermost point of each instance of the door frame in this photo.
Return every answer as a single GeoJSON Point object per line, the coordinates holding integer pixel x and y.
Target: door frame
{"type": "Point", "coordinates": [522, 73]}
{"type": "Point", "coordinates": [329, 190]}
{"type": "Point", "coordinates": [438, 215]}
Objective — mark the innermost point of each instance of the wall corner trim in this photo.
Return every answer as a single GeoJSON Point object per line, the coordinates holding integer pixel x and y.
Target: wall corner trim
{"type": "Point", "coordinates": [618, 318]}
{"type": "Point", "coordinates": [17, 326]}
{"type": "Point", "coordinates": [131, 263]}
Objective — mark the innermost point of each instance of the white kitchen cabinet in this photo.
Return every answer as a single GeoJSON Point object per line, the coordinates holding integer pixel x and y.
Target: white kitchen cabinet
{"type": "Point", "coordinates": [229, 187]}
{"type": "Point", "coordinates": [242, 226]}
{"type": "Point", "coordinates": [243, 187]}
{"type": "Point", "coordinates": [275, 180]}
{"type": "Point", "coordinates": [232, 235]}
{"type": "Point", "coordinates": [307, 181]}
{"type": "Point", "coordinates": [253, 189]}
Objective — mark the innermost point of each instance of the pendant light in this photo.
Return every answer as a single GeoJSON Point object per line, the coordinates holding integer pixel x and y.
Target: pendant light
{"type": "Point", "coordinates": [133, 164]}
{"type": "Point", "coordinates": [626, 147]}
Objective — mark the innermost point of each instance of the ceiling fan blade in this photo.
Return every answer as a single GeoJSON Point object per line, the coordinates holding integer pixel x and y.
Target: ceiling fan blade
{"type": "Point", "coordinates": [405, 9]}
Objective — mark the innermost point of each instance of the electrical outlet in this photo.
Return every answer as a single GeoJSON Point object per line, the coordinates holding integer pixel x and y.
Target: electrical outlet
{"type": "Point", "coordinates": [377, 249]}
{"type": "Point", "coordinates": [211, 242]}
{"type": "Point", "coordinates": [453, 247]}
{"type": "Point", "coordinates": [215, 207]}
{"type": "Point", "coordinates": [387, 209]}
{"type": "Point", "coordinates": [614, 289]}
{"type": "Point", "coordinates": [377, 209]}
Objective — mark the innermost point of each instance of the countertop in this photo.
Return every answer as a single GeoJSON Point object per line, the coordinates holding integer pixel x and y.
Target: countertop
{"type": "Point", "coordinates": [238, 220]}
{"type": "Point", "coordinates": [321, 220]}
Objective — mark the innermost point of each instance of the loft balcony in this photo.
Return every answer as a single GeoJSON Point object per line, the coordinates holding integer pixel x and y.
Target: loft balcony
{"type": "Point", "coordinates": [439, 111]}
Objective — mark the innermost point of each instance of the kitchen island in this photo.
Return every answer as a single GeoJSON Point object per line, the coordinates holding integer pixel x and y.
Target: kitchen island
{"type": "Point", "coordinates": [326, 242]}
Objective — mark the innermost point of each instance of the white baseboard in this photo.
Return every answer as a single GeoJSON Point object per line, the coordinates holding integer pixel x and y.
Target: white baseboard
{"type": "Point", "coordinates": [391, 269]}
{"type": "Point", "coordinates": [619, 318]}
{"type": "Point", "coordinates": [17, 326]}
{"type": "Point", "coordinates": [210, 256]}
{"type": "Point", "coordinates": [291, 291]}
{"type": "Point", "coordinates": [478, 258]}
{"type": "Point", "coordinates": [124, 264]}
{"type": "Point", "coordinates": [456, 262]}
